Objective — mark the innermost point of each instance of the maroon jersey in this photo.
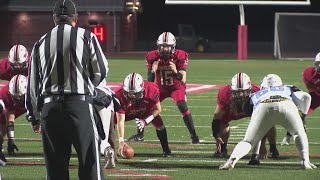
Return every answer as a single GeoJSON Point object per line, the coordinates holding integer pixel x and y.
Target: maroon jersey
{"type": "Point", "coordinates": [164, 75]}
{"type": "Point", "coordinates": [10, 106]}
{"type": "Point", "coordinates": [145, 106]}
{"type": "Point", "coordinates": [6, 72]}
{"type": "Point", "coordinates": [311, 79]}
{"type": "Point", "coordinates": [225, 101]}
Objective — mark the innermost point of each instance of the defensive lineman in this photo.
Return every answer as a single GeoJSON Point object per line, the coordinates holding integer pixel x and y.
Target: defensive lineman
{"type": "Point", "coordinates": [273, 104]}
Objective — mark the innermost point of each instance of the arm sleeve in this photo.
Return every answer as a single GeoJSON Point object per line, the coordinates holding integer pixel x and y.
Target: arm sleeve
{"type": "Point", "coordinates": [247, 107]}
{"type": "Point", "coordinates": [99, 62]}
{"type": "Point", "coordinates": [151, 76]}
{"type": "Point", "coordinates": [32, 96]}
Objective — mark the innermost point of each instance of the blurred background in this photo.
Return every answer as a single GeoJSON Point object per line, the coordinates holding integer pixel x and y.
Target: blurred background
{"type": "Point", "coordinates": [134, 25]}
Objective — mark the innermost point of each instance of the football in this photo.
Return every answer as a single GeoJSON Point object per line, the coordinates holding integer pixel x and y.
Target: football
{"type": "Point", "coordinates": [128, 152]}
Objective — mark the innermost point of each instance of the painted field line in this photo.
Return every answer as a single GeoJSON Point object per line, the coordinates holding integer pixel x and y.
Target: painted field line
{"type": "Point", "coordinates": [243, 128]}
{"type": "Point", "coordinates": [202, 142]}
{"type": "Point", "coordinates": [150, 170]}
{"type": "Point", "coordinates": [208, 87]}
{"type": "Point", "coordinates": [242, 161]}
{"type": "Point", "coordinates": [119, 172]}
{"type": "Point", "coordinates": [181, 160]}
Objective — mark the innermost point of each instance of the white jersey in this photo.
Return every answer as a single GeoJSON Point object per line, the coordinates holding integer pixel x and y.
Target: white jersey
{"type": "Point", "coordinates": [271, 94]}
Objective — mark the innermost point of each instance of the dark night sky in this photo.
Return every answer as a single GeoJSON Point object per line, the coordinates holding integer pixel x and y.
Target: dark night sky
{"type": "Point", "coordinates": [216, 22]}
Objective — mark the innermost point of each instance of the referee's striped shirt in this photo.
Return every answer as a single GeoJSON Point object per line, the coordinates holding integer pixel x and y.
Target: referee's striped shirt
{"type": "Point", "coordinates": [66, 60]}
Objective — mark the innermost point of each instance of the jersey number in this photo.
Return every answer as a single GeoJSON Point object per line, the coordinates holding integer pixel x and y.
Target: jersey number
{"type": "Point", "coordinates": [166, 78]}
{"type": "Point", "coordinates": [272, 88]}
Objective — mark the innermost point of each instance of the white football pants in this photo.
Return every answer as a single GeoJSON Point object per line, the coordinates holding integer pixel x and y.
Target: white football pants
{"type": "Point", "coordinates": [265, 116]}
{"type": "Point", "coordinates": [106, 117]}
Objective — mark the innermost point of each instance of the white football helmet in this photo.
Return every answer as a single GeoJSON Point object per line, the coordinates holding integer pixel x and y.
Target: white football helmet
{"type": "Point", "coordinates": [270, 80]}
{"type": "Point", "coordinates": [166, 45]}
{"type": "Point", "coordinates": [18, 57]}
{"type": "Point", "coordinates": [133, 86]}
{"type": "Point", "coordinates": [240, 87]}
{"type": "Point", "coordinates": [317, 62]}
{"type": "Point", "coordinates": [18, 87]}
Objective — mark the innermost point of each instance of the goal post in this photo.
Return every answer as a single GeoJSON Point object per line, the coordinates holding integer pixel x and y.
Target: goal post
{"type": "Point", "coordinates": [239, 2]}
{"type": "Point", "coordinates": [242, 27]}
{"type": "Point", "coordinates": [296, 35]}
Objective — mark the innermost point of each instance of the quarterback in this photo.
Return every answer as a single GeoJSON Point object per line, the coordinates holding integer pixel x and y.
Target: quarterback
{"type": "Point", "coordinates": [167, 67]}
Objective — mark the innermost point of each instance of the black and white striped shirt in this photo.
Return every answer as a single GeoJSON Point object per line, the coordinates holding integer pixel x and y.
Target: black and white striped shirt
{"type": "Point", "coordinates": [66, 60]}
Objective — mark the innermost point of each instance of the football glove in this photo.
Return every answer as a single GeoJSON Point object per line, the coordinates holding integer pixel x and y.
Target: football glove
{"type": "Point", "coordinates": [33, 120]}
{"type": "Point", "coordinates": [141, 123]}
{"type": "Point", "coordinates": [101, 98]}
{"type": "Point", "coordinates": [11, 147]}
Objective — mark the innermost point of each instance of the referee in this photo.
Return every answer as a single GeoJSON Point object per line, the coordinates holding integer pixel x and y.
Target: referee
{"type": "Point", "coordinates": [66, 65]}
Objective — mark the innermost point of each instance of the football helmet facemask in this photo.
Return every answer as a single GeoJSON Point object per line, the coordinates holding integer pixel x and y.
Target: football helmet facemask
{"type": "Point", "coordinates": [166, 45]}
{"type": "Point", "coordinates": [240, 87]}
{"type": "Point", "coordinates": [133, 87]}
{"type": "Point", "coordinates": [18, 57]}
{"type": "Point", "coordinates": [270, 80]}
{"type": "Point", "coordinates": [18, 88]}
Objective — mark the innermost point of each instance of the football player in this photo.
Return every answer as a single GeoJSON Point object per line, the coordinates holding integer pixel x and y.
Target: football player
{"type": "Point", "coordinates": [13, 106]}
{"type": "Point", "coordinates": [311, 79]}
{"type": "Point", "coordinates": [139, 101]}
{"type": "Point", "coordinates": [16, 63]}
{"type": "Point", "coordinates": [105, 104]}
{"type": "Point", "coordinates": [167, 67]}
{"type": "Point", "coordinates": [273, 104]}
{"type": "Point", "coordinates": [229, 107]}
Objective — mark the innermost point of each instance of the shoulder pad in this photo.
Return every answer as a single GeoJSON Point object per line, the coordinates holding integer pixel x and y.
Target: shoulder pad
{"type": "Point", "coordinates": [152, 55]}
{"type": "Point", "coordinates": [294, 88]}
{"type": "Point", "coordinates": [181, 54]}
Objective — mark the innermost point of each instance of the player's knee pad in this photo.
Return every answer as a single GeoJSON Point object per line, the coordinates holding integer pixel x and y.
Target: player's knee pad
{"type": "Point", "coordinates": [183, 108]}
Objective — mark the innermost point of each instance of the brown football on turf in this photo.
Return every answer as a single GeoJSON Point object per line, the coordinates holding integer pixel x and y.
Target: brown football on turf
{"type": "Point", "coordinates": [128, 152]}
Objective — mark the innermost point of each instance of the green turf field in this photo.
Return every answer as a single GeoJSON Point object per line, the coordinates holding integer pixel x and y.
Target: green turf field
{"type": "Point", "coordinates": [188, 161]}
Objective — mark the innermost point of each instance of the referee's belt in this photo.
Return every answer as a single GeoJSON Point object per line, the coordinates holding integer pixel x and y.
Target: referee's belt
{"type": "Point", "coordinates": [62, 98]}
{"type": "Point", "coordinates": [274, 100]}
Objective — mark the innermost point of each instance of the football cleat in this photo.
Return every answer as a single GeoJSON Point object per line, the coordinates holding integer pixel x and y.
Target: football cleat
{"type": "Point", "coordinates": [223, 153]}
{"type": "Point", "coordinates": [307, 165]}
{"type": "Point", "coordinates": [2, 159]}
{"type": "Point", "coordinates": [110, 158]}
{"type": "Point", "coordinates": [286, 141]}
{"type": "Point", "coordinates": [254, 160]}
{"type": "Point", "coordinates": [274, 154]}
{"type": "Point", "coordinates": [228, 165]}
{"type": "Point", "coordinates": [166, 153]}
{"type": "Point", "coordinates": [195, 140]}
{"type": "Point", "coordinates": [136, 137]}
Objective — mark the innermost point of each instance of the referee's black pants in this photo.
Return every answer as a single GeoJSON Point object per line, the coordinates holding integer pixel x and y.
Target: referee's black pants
{"type": "Point", "coordinates": [64, 123]}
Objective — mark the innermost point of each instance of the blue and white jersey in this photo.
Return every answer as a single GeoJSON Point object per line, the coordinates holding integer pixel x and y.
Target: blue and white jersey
{"type": "Point", "coordinates": [271, 94]}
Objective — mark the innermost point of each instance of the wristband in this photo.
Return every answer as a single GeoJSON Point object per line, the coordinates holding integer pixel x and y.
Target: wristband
{"type": "Point", "coordinates": [10, 132]}
{"type": "Point", "coordinates": [121, 139]}
{"type": "Point", "coordinates": [149, 119]}
{"type": "Point", "coordinates": [179, 76]}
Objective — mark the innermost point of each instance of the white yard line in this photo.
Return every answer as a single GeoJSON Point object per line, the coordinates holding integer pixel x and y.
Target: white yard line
{"type": "Point", "coordinates": [245, 161]}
